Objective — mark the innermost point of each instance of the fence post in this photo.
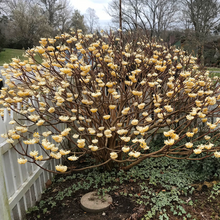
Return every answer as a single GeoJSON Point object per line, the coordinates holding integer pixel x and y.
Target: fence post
{"type": "Point", "coordinates": [4, 205]}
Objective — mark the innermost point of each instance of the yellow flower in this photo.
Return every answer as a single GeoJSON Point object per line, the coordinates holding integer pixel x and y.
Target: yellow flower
{"type": "Point", "coordinates": [211, 100]}
{"type": "Point", "coordinates": [36, 134]}
{"type": "Point", "coordinates": [33, 153]}
{"type": "Point", "coordinates": [109, 84]}
{"type": "Point", "coordinates": [81, 128]}
{"type": "Point", "coordinates": [46, 133]}
{"type": "Point", "coordinates": [65, 132]}
{"type": "Point", "coordinates": [131, 154]}
{"type": "Point", "coordinates": [31, 109]}
{"type": "Point", "coordinates": [148, 119]}
{"type": "Point", "coordinates": [141, 106]}
{"type": "Point", "coordinates": [207, 137]}
{"type": "Point", "coordinates": [75, 136]}
{"type": "Point", "coordinates": [195, 130]}
{"type": "Point", "coordinates": [61, 168]}
{"type": "Point", "coordinates": [40, 50]}
{"type": "Point", "coordinates": [93, 110]}
{"type": "Point", "coordinates": [22, 161]}
{"type": "Point", "coordinates": [197, 151]}
{"type": "Point", "coordinates": [189, 145]}
{"type": "Point", "coordinates": [33, 141]}
{"type": "Point", "coordinates": [168, 133]}
{"type": "Point", "coordinates": [122, 131]}
{"type": "Point", "coordinates": [39, 157]}
{"type": "Point", "coordinates": [81, 143]}
{"type": "Point", "coordinates": [58, 138]}
{"type": "Point", "coordinates": [47, 145]}
{"type": "Point", "coordinates": [174, 136]}
{"type": "Point", "coordinates": [40, 122]}
{"type": "Point", "coordinates": [106, 117]}
{"type": "Point", "coordinates": [209, 146]}
{"type": "Point", "coordinates": [64, 118]}
{"type": "Point", "coordinates": [51, 109]}
{"type": "Point", "coordinates": [134, 122]}
{"type": "Point", "coordinates": [56, 156]}
{"type": "Point", "coordinates": [113, 155]}
{"type": "Point", "coordinates": [54, 149]}
{"type": "Point", "coordinates": [192, 95]}
{"type": "Point", "coordinates": [211, 126]}
{"type": "Point", "coordinates": [34, 117]}
{"type": "Point", "coordinates": [12, 122]}
{"type": "Point", "coordinates": [136, 154]}
{"type": "Point", "coordinates": [204, 119]}
{"type": "Point", "coordinates": [189, 117]}
{"type": "Point", "coordinates": [74, 110]}
{"type": "Point", "coordinates": [125, 111]}
{"type": "Point", "coordinates": [138, 93]}
{"type": "Point", "coordinates": [189, 134]}
{"type": "Point", "coordinates": [99, 134]}
{"type": "Point", "coordinates": [73, 158]}
{"type": "Point", "coordinates": [168, 108]}
{"type": "Point", "coordinates": [157, 110]}
{"type": "Point", "coordinates": [91, 130]}
{"type": "Point", "coordinates": [126, 139]}
{"type": "Point", "coordinates": [64, 152]}
{"type": "Point", "coordinates": [93, 148]}
{"type": "Point", "coordinates": [169, 94]}
{"type": "Point", "coordinates": [125, 149]}
{"type": "Point", "coordinates": [15, 136]}
{"type": "Point", "coordinates": [217, 154]}
{"type": "Point", "coordinates": [112, 106]}
{"type": "Point", "coordinates": [169, 142]}
{"type": "Point", "coordinates": [179, 66]}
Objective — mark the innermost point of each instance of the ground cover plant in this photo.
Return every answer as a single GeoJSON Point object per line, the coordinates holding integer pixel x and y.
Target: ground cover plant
{"type": "Point", "coordinates": [157, 188]}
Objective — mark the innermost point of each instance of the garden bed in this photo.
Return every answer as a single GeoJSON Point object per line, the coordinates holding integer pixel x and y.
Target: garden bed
{"type": "Point", "coordinates": [159, 188]}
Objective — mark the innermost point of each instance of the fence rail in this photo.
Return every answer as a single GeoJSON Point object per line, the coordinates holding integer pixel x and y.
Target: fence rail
{"type": "Point", "coordinates": [20, 185]}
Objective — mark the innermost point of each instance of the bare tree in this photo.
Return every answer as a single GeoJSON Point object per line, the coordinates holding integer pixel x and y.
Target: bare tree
{"type": "Point", "coordinates": [25, 28]}
{"type": "Point", "coordinates": [63, 17]}
{"type": "Point", "coordinates": [155, 16]}
{"type": "Point", "coordinates": [202, 16]}
{"type": "Point", "coordinates": [92, 20]}
{"type": "Point", "coordinates": [51, 8]}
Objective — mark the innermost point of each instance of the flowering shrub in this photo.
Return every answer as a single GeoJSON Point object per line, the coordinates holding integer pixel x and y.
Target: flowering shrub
{"type": "Point", "coordinates": [113, 96]}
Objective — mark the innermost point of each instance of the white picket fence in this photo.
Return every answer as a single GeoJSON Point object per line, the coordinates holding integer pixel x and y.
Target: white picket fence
{"type": "Point", "coordinates": [20, 185]}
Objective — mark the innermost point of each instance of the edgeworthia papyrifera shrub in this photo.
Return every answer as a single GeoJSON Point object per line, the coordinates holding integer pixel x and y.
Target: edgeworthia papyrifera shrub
{"type": "Point", "coordinates": [113, 96]}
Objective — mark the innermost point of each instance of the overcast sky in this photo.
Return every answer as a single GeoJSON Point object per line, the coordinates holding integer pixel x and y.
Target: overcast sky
{"type": "Point", "coordinates": [98, 5]}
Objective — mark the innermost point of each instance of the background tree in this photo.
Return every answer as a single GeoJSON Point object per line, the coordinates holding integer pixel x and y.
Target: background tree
{"type": "Point", "coordinates": [25, 28]}
{"type": "Point", "coordinates": [63, 17]}
{"type": "Point", "coordinates": [202, 16]}
{"type": "Point", "coordinates": [92, 20]}
{"type": "Point", "coordinates": [153, 16]}
{"type": "Point", "coordinates": [78, 21]}
{"type": "Point", "coordinates": [51, 8]}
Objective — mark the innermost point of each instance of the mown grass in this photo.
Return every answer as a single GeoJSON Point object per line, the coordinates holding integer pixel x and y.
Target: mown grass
{"type": "Point", "coordinates": [8, 54]}
{"type": "Point", "coordinates": [213, 69]}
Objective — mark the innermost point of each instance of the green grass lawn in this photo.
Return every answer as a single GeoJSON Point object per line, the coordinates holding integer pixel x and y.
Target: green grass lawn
{"type": "Point", "coordinates": [213, 69]}
{"type": "Point", "coordinates": [7, 54]}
